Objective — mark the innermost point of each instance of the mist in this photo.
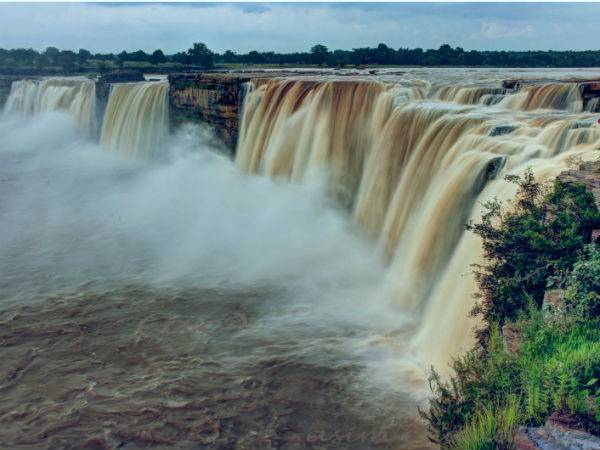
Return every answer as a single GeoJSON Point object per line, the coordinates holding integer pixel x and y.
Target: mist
{"type": "Point", "coordinates": [72, 212]}
{"type": "Point", "coordinates": [194, 217]}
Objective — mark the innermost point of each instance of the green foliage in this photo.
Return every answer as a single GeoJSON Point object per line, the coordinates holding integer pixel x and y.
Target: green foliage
{"type": "Point", "coordinates": [557, 369]}
{"type": "Point", "coordinates": [539, 237]}
{"type": "Point", "coordinates": [478, 381]}
{"type": "Point", "coordinates": [479, 434]}
{"type": "Point", "coordinates": [200, 55]}
{"type": "Point", "coordinates": [583, 284]}
{"type": "Point", "coordinates": [320, 54]}
{"type": "Point", "coordinates": [542, 239]}
{"type": "Point", "coordinates": [490, 428]}
{"type": "Point", "coordinates": [445, 55]}
{"type": "Point", "coordinates": [558, 359]}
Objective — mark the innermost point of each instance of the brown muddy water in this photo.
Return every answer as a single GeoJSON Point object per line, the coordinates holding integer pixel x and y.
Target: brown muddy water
{"type": "Point", "coordinates": [185, 305]}
{"type": "Point", "coordinates": [148, 368]}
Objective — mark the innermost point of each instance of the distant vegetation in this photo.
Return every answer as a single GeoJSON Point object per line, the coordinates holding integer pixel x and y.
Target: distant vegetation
{"type": "Point", "coordinates": [199, 56]}
{"type": "Point", "coordinates": [542, 241]}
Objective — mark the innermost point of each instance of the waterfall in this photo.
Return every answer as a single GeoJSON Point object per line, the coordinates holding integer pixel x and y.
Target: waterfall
{"type": "Point", "coordinates": [467, 95]}
{"type": "Point", "coordinates": [592, 105]}
{"type": "Point", "coordinates": [76, 96]}
{"type": "Point", "coordinates": [413, 165]}
{"type": "Point", "coordinates": [136, 121]}
{"type": "Point", "coordinates": [546, 96]}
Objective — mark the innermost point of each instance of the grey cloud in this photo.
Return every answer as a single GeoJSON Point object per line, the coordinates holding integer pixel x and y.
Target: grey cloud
{"type": "Point", "coordinates": [297, 26]}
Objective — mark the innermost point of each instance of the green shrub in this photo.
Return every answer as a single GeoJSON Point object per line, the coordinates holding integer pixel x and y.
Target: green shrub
{"type": "Point", "coordinates": [583, 284]}
{"type": "Point", "coordinates": [543, 238]}
{"type": "Point", "coordinates": [490, 428]}
{"type": "Point", "coordinates": [557, 369]}
{"type": "Point", "coordinates": [539, 237]}
{"type": "Point", "coordinates": [477, 381]}
{"type": "Point", "coordinates": [479, 433]}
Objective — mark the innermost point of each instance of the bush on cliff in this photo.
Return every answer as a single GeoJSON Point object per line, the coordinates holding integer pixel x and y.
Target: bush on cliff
{"type": "Point", "coordinates": [544, 237]}
{"type": "Point", "coordinates": [539, 236]}
{"type": "Point", "coordinates": [478, 385]}
{"type": "Point", "coordinates": [556, 370]}
{"type": "Point", "coordinates": [559, 363]}
{"type": "Point", "coordinates": [491, 428]}
{"type": "Point", "coordinates": [583, 285]}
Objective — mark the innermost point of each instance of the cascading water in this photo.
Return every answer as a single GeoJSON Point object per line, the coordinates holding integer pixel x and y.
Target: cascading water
{"type": "Point", "coordinates": [225, 303]}
{"type": "Point", "coordinates": [413, 166]}
{"type": "Point", "coordinates": [75, 96]}
{"type": "Point", "coordinates": [470, 95]}
{"type": "Point", "coordinates": [136, 121]}
{"type": "Point", "coordinates": [592, 105]}
{"type": "Point", "coordinates": [564, 96]}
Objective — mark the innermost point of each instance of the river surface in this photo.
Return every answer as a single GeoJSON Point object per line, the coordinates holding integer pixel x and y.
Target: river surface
{"type": "Point", "coordinates": [183, 304]}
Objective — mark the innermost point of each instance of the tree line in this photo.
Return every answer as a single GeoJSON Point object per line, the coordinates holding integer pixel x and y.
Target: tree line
{"type": "Point", "coordinates": [200, 56]}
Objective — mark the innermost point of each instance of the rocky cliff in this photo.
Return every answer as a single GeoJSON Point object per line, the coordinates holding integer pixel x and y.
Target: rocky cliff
{"type": "Point", "coordinates": [558, 433]}
{"type": "Point", "coordinates": [214, 98]}
{"type": "Point", "coordinates": [588, 174]}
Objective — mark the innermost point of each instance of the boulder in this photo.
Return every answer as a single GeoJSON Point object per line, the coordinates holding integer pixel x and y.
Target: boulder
{"type": "Point", "coordinates": [588, 174]}
{"type": "Point", "coordinates": [556, 434]}
{"type": "Point", "coordinates": [554, 300]}
{"type": "Point", "coordinates": [500, 130]}
{"type": "Point", "coordinates": [512, 338]}
{"type": "Point", "coordinates": [523, 442]}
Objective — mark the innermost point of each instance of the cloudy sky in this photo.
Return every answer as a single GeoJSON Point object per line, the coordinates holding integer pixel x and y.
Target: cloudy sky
{"type": "Point", "coordinates": [111, 27]}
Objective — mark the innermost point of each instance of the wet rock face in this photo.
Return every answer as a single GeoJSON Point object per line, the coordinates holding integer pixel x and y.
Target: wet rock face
{"type": "Point", "coordinates": [555, 435]}
{"type": "Point", "coordinates": [589, 174]}
{"type": "Point", "coordinates": [123, 76]}
{"type": "Point", "coordinates": [554, 300]}
{"type": "Point", "coordinates": [512, 338]}
{"type": "Point", "coordinates": [212, 98]}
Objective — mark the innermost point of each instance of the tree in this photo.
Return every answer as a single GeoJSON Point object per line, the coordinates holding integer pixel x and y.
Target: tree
{"type": "Point", "coordinates": [158, 57]}
{"type": "Point", "coordinates": [138, 56]}
{"type": "Point", "coordinates": [200, 55]}
{"type": "Point", "coordinates": [52, 54]}
{"type": "Point", "coordinates": [360, 56]}
{"type": "Point", "coordinates": [67, 60]}
{"type": "Point", "coordinates": [538, 237]}
{"type": "Point", "coordinates": [254, 57]}
{"type": "Point", "coordinates": [121, 58]}
{"type": "Point", "coordinates": [83, 55]}
{"type": "Point", "coordinates": [229, 56]}
{"type": "Point", "coordinates": [24, 56]}
{"type": "Point", "coordinates": [42, 62]}
{"type": "Point", "coordinates": [181, 58]}
{"type": "Point", "coordinates": [319, 54]}
{"type": "Point", "coordinates": [384, 55]}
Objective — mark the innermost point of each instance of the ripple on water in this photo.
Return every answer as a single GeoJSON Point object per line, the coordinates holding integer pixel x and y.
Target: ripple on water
{"type": "Point", "coordinates": [153, 368]}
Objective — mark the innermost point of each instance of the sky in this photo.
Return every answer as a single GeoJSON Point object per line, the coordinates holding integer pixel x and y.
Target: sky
{"type": "Point", "coordinates": [285, 27]}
